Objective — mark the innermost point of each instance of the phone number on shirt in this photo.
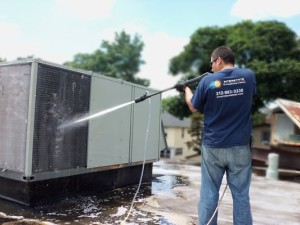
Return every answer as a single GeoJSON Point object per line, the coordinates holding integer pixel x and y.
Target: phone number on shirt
{"type": "Point", "coordinates": [229, 93]}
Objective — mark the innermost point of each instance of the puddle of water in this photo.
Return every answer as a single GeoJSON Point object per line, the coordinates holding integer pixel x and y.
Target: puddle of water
{"type": "Point", "coordinates": [164, 183]}
{"type": "Point", "coordinates": [107, 208]}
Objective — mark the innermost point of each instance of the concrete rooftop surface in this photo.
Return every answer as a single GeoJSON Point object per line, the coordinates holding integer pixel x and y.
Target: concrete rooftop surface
{"type": "Point", "coordinates": [273, 202]}
{"type": "Point", "coordinates": [172, 200]}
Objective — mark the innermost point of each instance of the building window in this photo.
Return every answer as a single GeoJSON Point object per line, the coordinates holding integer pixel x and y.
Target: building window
{"type": "Point", "coordinates": [297, 130]}
{"type": "Point", "coordinates": [165, 153]}
{"type": "Point", "coordinates": [265, 137]}
{"type": "Point", "coordinates": [182, 132]}
{"type": "Point", "coordinates": [178, 151]}
{"type": "Point", "coordinates": [171, 152]}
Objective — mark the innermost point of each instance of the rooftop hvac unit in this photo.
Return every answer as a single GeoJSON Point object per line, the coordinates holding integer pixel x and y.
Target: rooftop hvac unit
{"type": "Point", "coordinates": [42, 160]}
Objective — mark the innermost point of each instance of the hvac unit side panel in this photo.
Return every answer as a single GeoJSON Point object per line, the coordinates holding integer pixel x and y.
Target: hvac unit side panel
{"type": "Point", "coordinates": [61, 96]}
{"type": "Point", "coordinates": [140, 122]}
{"type": "Point", "coordinates": [14, 95]}
{"type": "Point", "coordinates": [109, 134]}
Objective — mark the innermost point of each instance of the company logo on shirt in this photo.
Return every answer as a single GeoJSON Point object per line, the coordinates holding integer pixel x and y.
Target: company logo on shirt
{"type": "Point", "coordinates": [215, 84]}
{"type": "Point", "coordinates": [234, 81]}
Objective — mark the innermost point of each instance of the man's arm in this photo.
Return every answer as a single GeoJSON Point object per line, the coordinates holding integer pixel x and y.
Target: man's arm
{"type": "Point", "coordinates": [188, 96]}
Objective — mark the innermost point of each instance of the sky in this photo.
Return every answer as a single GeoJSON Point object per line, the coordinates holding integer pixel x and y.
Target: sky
{"type": "Point", "coordinates": [56, 30]}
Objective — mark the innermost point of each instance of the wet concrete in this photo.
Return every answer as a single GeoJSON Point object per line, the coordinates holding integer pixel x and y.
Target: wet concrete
{"type": "Point", "coordinates": [170, 199]}
{"type": "Point", "coordinates": [108, 208]}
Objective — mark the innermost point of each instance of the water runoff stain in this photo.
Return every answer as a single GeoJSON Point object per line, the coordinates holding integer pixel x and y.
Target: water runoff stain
{"type": "Point", "coordinates": [108, 208]}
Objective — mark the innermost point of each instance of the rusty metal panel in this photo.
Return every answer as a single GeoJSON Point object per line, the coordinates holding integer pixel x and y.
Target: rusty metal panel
{"type": "Point", "coordinates": [291, 108]}
{"type": "Point", "coordinates": [286, 123]}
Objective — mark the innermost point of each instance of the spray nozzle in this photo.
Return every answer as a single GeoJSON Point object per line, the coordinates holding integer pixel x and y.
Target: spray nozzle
{"type": "Point", "coordinates": [142, 98]}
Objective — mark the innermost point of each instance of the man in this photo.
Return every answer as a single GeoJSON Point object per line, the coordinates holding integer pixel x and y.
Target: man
{"type": "Point", "coordinates": [225, 99]}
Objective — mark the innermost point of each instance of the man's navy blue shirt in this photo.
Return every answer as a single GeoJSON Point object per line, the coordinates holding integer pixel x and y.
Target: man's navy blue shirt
{"type": "Point", "coordinates": [225, 98]}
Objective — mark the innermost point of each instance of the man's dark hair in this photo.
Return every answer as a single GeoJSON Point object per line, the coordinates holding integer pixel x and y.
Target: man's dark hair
{"type": "Point", "coordinates": [224, 53]}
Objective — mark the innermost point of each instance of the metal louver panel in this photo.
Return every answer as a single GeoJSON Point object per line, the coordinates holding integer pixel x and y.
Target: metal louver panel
{"type": "Point", "coordinates": [60, 96]}
{"type": "Point", "coordinates": [14, 91]}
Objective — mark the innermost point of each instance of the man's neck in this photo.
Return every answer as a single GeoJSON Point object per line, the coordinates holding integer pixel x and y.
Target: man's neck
{"type": "Point", "coordinates": [227, 67]}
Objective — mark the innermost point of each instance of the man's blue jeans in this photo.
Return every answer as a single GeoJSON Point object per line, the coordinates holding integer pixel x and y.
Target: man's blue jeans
{"type": "Point", "coordinates": [236, 163]}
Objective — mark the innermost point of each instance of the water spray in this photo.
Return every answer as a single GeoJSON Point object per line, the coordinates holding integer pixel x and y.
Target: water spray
{"type": "Point", "coordinates": [137, 100]}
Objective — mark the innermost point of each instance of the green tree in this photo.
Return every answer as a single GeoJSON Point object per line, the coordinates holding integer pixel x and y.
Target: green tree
{"type": "Point", "coordinates": [193, 61]}
{"type": "Point", "coordinates": [27, 57]}
{"type": "Point", "coordinates": [119, 59]}
{"type": "Point", "coordinates": [196, 132]}
{"type": "Point", "coordinates": [18, 58]}
{"type": "Point", "coordinates": [266, 41]}
{"type": "Point", "coordinates": [277, 79]}
{"type": "Point", "coordinates": [269, 48]}
{"type": "Point", "coordinates": [169, 105]}
{"type": "Point", "coordinates": [195, 56]}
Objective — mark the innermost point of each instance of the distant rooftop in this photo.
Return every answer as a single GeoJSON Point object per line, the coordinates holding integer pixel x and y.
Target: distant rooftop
{"type": "Point", "coordinates": [290, 108]}
{"type": "Point", "coordinates": [172, 121]}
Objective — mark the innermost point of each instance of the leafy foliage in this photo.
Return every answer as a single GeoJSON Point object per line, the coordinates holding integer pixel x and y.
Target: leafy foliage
{"type": "Point", "coordinates": [120, 59]}
{"type": "Point", "coordinates": [269, 48]}
{"type": "Point", "coordinates": [277, 79]}
{"type": "Point", "coordinates": [180, 111]}
{"type": "Point", "coordinates": [258, 118]}
{"type": "Point", "coordinates": [196, 132]}
{"type": "Point", "coordinates": [196, 55]}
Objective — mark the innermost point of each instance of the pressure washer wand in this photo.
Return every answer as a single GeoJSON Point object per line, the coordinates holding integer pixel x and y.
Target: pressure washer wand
{"type": "Point", "coordinates": [145, 96]}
